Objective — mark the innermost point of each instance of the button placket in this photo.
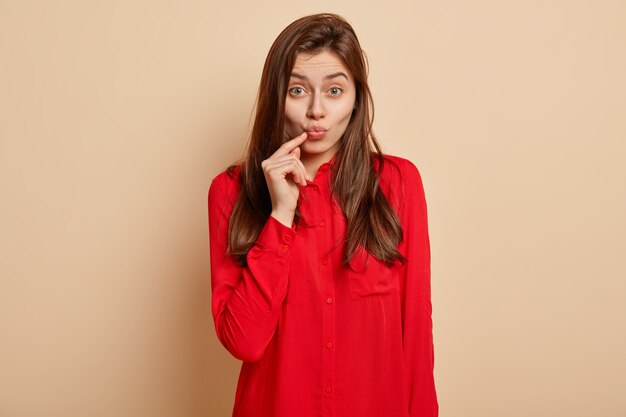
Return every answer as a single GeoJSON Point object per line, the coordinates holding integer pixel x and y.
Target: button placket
{"type": "Point", "coordinates": [318, 214]}
{"type": "Point", "coordinates": [286, 240]}
{"type": "Point", "coordinates": [328, 333]}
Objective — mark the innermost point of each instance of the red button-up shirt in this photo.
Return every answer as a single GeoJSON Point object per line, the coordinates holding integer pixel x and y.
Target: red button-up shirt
{"type": "Point", "coordinates": [317, 338]}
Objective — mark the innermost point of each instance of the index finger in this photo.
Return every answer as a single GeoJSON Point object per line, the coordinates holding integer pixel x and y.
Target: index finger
{"type": "Point", "coordinates": [290, 145]}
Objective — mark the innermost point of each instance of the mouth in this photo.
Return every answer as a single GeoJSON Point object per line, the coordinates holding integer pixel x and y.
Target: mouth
{"type": "Point", "coordinates": [315, 133]}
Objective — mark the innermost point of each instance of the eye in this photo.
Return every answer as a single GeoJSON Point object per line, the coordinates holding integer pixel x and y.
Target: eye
{"type": "Point", "coordinates": [335, 91]}
{"type": "Point", "coordinates": [296, 91]}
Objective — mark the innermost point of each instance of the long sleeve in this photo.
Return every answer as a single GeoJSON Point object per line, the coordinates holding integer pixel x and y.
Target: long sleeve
{"type": "Point", "coordinates": [416, 304]}
{"type": "Point", "coordinates": [246, 301]}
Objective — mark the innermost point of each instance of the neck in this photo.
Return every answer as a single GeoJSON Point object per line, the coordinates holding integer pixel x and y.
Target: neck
{"type": "Point", "coordinates": [313, 162]}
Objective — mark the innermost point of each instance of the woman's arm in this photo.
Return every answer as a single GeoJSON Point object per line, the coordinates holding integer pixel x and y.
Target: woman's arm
{"type": "Point", "coordinates": [246, 302]}
{"type": "Point", "coordinates": [416, 303]}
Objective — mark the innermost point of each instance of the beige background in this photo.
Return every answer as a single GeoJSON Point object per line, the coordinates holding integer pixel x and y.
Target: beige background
{"type": "Point", "coordinates": [115, 116]}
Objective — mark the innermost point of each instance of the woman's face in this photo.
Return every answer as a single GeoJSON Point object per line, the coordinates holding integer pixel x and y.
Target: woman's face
{"type": "Point", "coordinates": [320, 98]}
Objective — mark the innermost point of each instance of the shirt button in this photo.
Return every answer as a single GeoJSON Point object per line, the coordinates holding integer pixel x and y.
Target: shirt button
{"type": "Point", "coordinates": [329, 300]}
{"type": "Point", "coordinates": [322, 223]}
{"type": "Point", "coordinates": [285, 247]}
{"type": "Point", "coordinates": [287, 238]}
{"type": "Point", "coordinates": [329, 389]}
{"type": "Point", "coordinates": [329, 345]}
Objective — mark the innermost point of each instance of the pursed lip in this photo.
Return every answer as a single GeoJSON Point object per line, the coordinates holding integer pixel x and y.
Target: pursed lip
{"type": "Point", "coordinates": [315, 132]}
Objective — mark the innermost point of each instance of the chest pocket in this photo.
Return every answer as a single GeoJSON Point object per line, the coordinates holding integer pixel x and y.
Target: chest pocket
{"type": "Point", "coordinates": [369, 277]}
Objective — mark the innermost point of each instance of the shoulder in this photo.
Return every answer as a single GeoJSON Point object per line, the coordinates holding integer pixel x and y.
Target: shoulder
{"type": "Point", "coordinates": [398, 171]}
{"type": "Point", "coordinates": [226, 183]}
{"type": "Point", "coordinates": [401, 182]}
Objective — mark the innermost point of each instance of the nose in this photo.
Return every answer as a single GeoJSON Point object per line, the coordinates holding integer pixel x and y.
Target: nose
{"type": "Point", "coordinates": [316, 108]}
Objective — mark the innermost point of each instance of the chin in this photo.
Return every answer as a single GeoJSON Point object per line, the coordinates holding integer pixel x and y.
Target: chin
{"type": "Point", "coordinates": [314, 147]}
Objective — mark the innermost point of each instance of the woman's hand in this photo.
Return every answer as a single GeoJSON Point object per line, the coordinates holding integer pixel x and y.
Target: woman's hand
{"type": "Point", "coordinates": [283, 172]}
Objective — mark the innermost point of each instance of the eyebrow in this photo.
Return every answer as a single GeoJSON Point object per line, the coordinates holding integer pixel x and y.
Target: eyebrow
{"type": "Point", "coordinates": [328, 77]}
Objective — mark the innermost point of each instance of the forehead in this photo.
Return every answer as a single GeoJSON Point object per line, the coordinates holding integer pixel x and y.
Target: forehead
{"type": "Point", "coordinates": [321, 63]}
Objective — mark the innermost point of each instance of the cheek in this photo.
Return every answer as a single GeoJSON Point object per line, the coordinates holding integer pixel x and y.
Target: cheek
{"type": "Point", "coordinates": [343, 111]}
{"type": "Point", "coordinates": [292, 112]}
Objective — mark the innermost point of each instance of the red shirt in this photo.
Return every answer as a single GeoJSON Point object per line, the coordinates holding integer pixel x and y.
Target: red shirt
{"type": "Point", "coordinates": [316, 338]}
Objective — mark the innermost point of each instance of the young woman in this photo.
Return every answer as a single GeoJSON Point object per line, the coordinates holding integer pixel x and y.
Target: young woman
{"type": "Point", "coordinates": [320, 256]}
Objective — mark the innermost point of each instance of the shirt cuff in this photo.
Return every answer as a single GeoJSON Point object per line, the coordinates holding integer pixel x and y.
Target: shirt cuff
{"type": "Point", "coordinates": [276, 236]}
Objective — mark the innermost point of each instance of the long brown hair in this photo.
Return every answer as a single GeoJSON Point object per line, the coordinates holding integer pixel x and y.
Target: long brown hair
{"type": "Point", "coordinates": [371, 221]}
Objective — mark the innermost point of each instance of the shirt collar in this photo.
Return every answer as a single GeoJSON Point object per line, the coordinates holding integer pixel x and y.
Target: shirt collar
{"type": "Point", "coordinates": [326, 165]}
